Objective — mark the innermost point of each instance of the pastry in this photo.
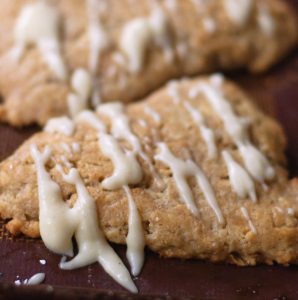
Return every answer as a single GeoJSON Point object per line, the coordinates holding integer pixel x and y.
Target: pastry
{"type": "Point", "coordinates": [60, 57]}
{"type": "Point", "coordinates": [193, 171]}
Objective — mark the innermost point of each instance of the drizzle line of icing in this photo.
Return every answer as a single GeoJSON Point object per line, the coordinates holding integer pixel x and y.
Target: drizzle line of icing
{"type": "Point", "coordinates": [38, 23]}
{"type": "Point", "coordinates": [62, 125]}
{"type": "Point", "coordinates": [126, 171]}
{"type": "Point", "coordinates": [248, 219]}
{"type": "Point", "coordinates": [207, 133]}
{"type": "Point", "coordinates": [137, 35]}
{"type": "Point", "coordinates": [255, 162]}
{"type": "Point", "coordinates": [183, 169]}
{"type": "Point", "coordinates": [81, 221]}
{"type": "Point", "coordinates": [81, 84]}
{"type": "Point", "coordinates": [152, 113]}
{"type": "Point", "coordinates": [121, 130]}
{"type": "Point", "coordinates": [239, 11]}
{"type": "Point", "coordinates": [98, 42]}
{"type": "Point", "coordinates": [98, 38]}
{"type": "Point", "coordinates": [240, 180]}
{"type": "Point", "coordinates": [265, 20]}
{"type": "Point", "coordinates": [135, 238]}
{"type": "Point", "coordinates": [173, 92]}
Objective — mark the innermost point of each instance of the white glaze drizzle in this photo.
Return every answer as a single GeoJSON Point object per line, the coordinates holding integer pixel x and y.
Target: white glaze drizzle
{"type": "Point", "coordinates": [134, 41]}
{"type": "Point", "coordinates": [139, 33]}
{"type": "Point", "coordinates": [81, 84]}
{"type": "Point", "coordinates": [98, 42]}
{"type": "Point", "coordinates": [217, 80]}
{"type": "Point", "coordinates": [37, 278]}
{"type": "Point", "coordinates": [152, 113]}
{"type": "Point", "coordinates": [248, 219]}
{"type": "Point", "coordinates": [160, 29]}
{"type": "Point", "coordinates": [81, 221]}
{"type": "Point", "coordinates": [209, 24]}
{"type": "Point", "coordinates": [265, 20]}
{"type": "Point", "coordinates": [172, 89]}
{"type": "Point", "coordinates": [76, 148]}
{"type": "Point", "coordinates": [52, 207]}
{"type": "Point", "coordinates": [135, 238]}
{"type": "Point", "coordinates": [207, 133]}
{"type": "Point", "coordinates": [121, 130]}
{"type": "Point", "coordinates": [291, 211]}
{"type": "Point", "coordinates": [240, 180]}
{"type": "Point", "coordinates": [91, 241]}
{"type": "Point", "coordinates": [126, 171]}
{"type": "Point", "coordinates": [98, 37]}
{"type": "Point", "coordinates": [62, 125]}
{"type": "Point", "coordinates": [255, 162]}
{"type": "Point", "coordinates": [92, 119]}
{"type": "Point", "coordinates": [181, 171]}
{"type": "Point", "coordinates": [238, 11]}
{"type": "Point", "coordinates": [182, 49]}
{"type": "Point", "coordinates": [38, 24]}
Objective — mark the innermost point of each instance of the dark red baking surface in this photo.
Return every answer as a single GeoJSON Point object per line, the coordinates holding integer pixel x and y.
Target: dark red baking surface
{"type": "Point", "coordinates": [276, 93]}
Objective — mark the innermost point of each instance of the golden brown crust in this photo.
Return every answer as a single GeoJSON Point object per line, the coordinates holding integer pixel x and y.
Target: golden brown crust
{"type": "Point", "coordinates": [32, 94]}
{"type": "Point", "coordinates": [170, 228]}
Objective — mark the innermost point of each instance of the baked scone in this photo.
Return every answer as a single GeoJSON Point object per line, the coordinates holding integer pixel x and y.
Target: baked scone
{"type": "Point", "coordinates": [194, 171]}
{"type": "Point", "coordinates": [58, 57]}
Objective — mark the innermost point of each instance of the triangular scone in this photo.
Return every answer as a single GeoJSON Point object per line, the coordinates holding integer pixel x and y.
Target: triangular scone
{"type": "Point", "coordinates": [126, 49]}
{"type": "Point", "coordinates": [205, 169]}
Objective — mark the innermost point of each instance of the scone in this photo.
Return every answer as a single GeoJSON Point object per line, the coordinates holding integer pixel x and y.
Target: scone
{"type": "Point", "coordinates": [60, 57]}
{"type": "Point", "coordinates": [193, 171]}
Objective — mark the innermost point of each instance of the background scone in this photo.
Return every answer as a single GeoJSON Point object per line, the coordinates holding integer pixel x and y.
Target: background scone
{"type": "Point", "coordinates": [213, 182]}
{"type": "Point", "coordinates": [128, 48]}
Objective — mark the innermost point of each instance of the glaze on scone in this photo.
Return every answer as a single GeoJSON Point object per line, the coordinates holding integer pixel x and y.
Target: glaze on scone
{"type": "Point", "coordinates": [254, 221]}
{"type": "Point", "coordinates": [128, 48]}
